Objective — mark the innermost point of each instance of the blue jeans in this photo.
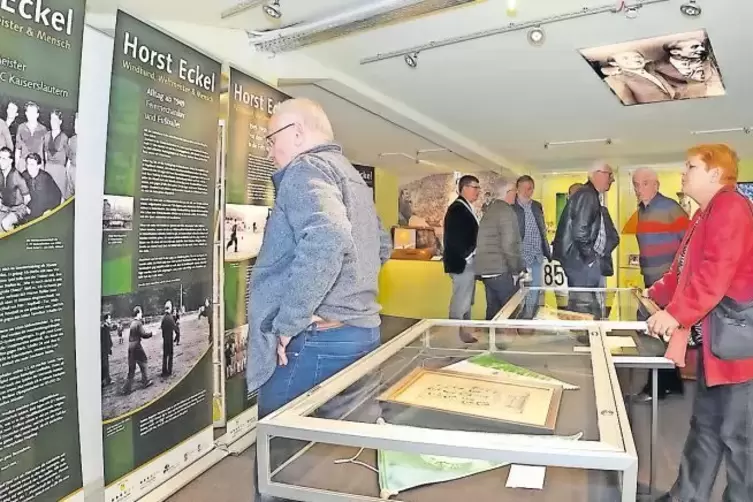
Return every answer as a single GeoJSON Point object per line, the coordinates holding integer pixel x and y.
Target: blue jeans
{"type": "Point", "coordinates": [537, 273]}
{"type": "Point", "coordinates": [313, 356]}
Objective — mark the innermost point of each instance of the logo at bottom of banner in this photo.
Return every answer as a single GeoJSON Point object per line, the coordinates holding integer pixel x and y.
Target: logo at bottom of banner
{"type": "Point", "coordinates": [142, 481]}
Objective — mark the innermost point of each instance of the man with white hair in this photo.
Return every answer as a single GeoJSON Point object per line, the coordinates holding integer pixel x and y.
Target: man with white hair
{"type": "Point", "coordinates": [586, 235]}
{"type": "Point", "coordinates": [499, 256]}
{"type": "Point", "coordinates": [312, 309]}
{"type": "Point", "coordinates": [659, 225]}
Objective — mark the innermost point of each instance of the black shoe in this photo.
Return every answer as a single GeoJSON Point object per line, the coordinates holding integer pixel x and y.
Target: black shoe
{"type": "Point", "coordinates": [467, 337]}
{"type": "Point", "coordinates": [148, 383]}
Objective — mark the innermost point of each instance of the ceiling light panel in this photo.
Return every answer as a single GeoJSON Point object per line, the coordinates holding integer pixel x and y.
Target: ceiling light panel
{"type": "Point", "coordinates": [340, 27]}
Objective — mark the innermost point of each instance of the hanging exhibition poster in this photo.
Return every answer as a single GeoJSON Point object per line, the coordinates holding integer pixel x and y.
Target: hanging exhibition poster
{"type": "Point", "coordinates": [659, 69]}
{"type": "Point", "coordinates": [249, 195]}
{"type": "Point", "coordinates": [157, 220]}
{"type": "Point", "coordinates": [367, 173]}
{"type": "Point", "coordinates": [423, 202]}
{"type": "Point", "coordinates": [40, 61]}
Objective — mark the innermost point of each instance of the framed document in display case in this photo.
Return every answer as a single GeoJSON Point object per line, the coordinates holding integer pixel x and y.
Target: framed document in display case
{"type": "Point", "coordinates": [503, 400]}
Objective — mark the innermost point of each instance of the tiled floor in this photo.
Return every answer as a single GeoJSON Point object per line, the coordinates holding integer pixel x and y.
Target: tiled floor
{"type": "Point", "coordinates": [231, 479]}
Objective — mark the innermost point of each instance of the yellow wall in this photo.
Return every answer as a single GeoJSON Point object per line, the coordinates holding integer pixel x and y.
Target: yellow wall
{"type": "Point", "coordinates": [387, 189]}
{"type": "Point", "coordinates": [420, 290]}
{"type": "Point", "coordinates": [746, 170]}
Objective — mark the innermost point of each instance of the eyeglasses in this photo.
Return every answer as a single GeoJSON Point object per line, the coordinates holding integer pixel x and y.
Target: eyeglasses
{"type": "Point", "coordinates": [611, 175]}
{"type": "Point", "coordinates": [268, 138]}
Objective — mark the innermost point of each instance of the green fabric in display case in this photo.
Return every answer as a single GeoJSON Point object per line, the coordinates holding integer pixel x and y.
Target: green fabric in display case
{"type": "Point", "coordinates": [489, 365]}
{"type": "Point", "coordinates": [400, 471]}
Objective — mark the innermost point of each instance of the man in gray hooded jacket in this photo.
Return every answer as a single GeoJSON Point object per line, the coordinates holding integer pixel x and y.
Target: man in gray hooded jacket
{"type": "Point", "coordinates": [312, 306]}
{"type": "Point", "coordinates": [499, 256]}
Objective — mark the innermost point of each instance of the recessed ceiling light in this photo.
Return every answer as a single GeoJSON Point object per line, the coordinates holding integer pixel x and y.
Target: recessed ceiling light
{"type": "Point", "coordinates": [691, 9]}
{"type": "Point", "coordinates": [536, 36]}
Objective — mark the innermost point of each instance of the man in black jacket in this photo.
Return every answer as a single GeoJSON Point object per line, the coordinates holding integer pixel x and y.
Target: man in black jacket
{"type": "Point", "coordinates": [44, 192]}
{"type": "Point", "coordinates": [105, 337]}
{"type": "Point", "coordinates": [460, 232]}
{"type": "Point", "coordinates": [169, 330]}
{"type": "Point", "coordinates": [586, 235]}
{"type": "Point", "coordinates": [136, 354]}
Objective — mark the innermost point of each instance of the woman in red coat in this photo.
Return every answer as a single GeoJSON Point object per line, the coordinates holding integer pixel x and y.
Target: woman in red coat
{"type": "Point", "coordinates": [713, 261]}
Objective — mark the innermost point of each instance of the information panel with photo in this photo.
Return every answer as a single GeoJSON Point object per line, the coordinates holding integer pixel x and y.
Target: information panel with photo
{"type": "Point", "coordinates": [249, 195]}
{"type": "Point", "coordinates": [40, 63]}
{"type": "Point", "coordinates": [658, 69]}
{"type": "Point", "coordinates": [157, 219]}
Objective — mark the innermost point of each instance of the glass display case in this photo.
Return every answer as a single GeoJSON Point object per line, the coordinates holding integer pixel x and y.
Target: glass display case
{"type": "Point", "coordinates": [620, 313]}
{"type": "Point", "coordinates": [428, 418]}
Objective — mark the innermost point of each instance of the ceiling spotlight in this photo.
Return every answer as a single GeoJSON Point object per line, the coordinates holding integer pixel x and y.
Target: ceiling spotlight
{"type": "Point", "coordinates": [273, 10]}
{"type": "Point", "coordinates": [411, 59]}
{"type": "Point", "coordinates": [691, 9]}
{"type": "Point", "coordinates": [632, 12]}
{"type": "Point", "coordinates": [536, 36]}
{"type": "Point", "coordinates": [512, 8]}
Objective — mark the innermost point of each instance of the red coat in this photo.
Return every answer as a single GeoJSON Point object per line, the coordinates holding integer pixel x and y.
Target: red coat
{"type": "Point", "coordinates": [718, 263]}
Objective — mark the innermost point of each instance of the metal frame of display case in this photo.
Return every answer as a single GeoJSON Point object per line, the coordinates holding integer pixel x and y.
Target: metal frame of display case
{"type": "Point", "coordinates": [650, 363]}
{"type": "Point", "coordinates": [614, 452]}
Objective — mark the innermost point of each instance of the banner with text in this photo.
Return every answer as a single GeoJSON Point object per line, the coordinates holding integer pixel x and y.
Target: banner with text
{"type": "Point", "coordinates": [157, 221]}
{"type": "Point", "coordinates": [249, 196]}
{"type": "Point", "coordinates": [40, 62]}
{"type": "Point", "coordinates": [367, 173]}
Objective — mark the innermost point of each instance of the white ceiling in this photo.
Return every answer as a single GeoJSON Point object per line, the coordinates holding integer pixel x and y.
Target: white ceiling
{"type": "Point", "coordinates": [505, 95]}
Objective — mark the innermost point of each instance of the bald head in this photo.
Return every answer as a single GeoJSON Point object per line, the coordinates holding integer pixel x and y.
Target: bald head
{"type": "Point", "coordinates": [506, 190]}
{"type": "Point", "coordinates": [574, 188]}
{"type": "Point", "coordinates": [297, 125]}
{"type": "Point", "coordinates": [645, 184]}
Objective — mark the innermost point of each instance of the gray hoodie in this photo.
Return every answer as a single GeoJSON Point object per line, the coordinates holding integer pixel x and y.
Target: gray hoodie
{"type": "Point", "coordinates": [322, 251]}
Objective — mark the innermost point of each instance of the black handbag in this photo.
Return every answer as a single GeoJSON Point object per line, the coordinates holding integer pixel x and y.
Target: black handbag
{"type": "Point", "coordinates": [731, 327]}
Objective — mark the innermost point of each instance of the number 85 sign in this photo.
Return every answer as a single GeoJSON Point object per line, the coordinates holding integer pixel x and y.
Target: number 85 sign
{"type": "Point", "coordinates": [554, 275]}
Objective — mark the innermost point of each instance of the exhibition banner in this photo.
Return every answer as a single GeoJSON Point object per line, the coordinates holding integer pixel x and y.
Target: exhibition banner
{"type": "Point", "coordinates": [157, 221]}
{"type": "Point", "coordinates": [249, 195]}
{"type": "Point", "coordinates": [367, 173]}
{"type": "Point", "coordinates": [40, 61]}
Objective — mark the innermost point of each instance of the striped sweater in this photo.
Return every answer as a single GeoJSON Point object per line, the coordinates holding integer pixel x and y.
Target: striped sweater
{"type": "Point", "coordinates": [659, 228]}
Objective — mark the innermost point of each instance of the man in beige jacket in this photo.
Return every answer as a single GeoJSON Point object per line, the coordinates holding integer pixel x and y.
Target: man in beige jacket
{"type": "Point", "coordinates": [499, 257]}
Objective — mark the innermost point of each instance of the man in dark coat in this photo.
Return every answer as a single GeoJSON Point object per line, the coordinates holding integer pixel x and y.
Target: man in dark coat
{"type": "Point", "coordinates": [460, 232]}
{"type": "Point", "coordinates": [45, 194]}
{"type": "Point", "coordinates": [169, 329]}
{"type": "Point", "coordinates": [105, 348]}
{"type": "Point", "coordinates": [136, 354]}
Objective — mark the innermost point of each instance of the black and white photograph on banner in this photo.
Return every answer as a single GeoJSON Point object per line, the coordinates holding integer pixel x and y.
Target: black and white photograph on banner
{"type": "Point", "coordinates": [29, 127]}
{"type": "Point", "coordinates": [117, 213]}
{"type": "Point", "coordinates": [658, 69]}
{"type": "Point", "coordinates": [235, 351]}
{"type": "Point", "coordinates": [150, 340]}
{"type": "Point", "coordinates": [244, 230]}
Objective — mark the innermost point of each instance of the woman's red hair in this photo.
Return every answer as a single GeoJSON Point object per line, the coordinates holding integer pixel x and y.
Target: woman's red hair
{"type": "Point", "coordinates": [719, 156]}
